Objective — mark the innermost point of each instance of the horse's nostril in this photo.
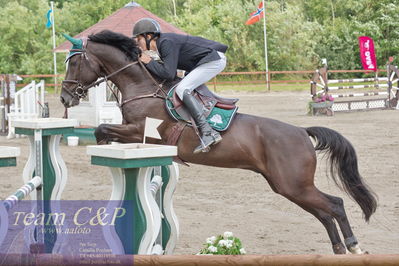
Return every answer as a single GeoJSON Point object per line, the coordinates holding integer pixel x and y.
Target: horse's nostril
{"type": "Point", "coordinates": [62, 100]}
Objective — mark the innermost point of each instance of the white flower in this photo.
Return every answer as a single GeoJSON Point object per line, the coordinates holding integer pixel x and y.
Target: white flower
{"type": "Point", "coordinates": [242, 251]}
{"type": "Point", "coordinates": [227, 235]}
{"type": "Point", "coordinates": [222, 243]}
{"type": "Point", "coordinates": [229, 243]}
{"type": "Point", "coordinates": [213, 249]}
{"type": "Point", "coordinates": [211, 240]}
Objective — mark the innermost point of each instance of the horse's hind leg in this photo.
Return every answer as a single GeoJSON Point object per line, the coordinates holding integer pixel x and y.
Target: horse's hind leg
{"type": "Point", "coordinates": [340, 216]}
{"type": "Point", "coordinates": [332, 206]}
{"type": "Point", "coordinates": [311, 200]}
{"type": "Point", "coordinates": [328, 222]}
{"type": "Point", "coordinates": [326, 208]}
{"type": "Point", "coordinates": [128, 133]}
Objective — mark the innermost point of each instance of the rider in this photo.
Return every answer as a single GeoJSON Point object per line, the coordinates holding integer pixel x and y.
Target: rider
{"type": "Point", "coordinates": [202, 58]}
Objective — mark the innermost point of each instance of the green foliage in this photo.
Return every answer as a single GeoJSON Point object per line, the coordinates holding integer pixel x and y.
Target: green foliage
{"type": "Point", "coordinates": [292, 41]}
{"type": "Point", "coordinates": [299, 32]}
{"type": "Point", "coordinates": [21, 38]}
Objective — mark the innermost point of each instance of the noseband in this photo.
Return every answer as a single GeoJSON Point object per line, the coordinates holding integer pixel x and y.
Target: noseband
{"type": "Point", "coordinates": [78, 91]}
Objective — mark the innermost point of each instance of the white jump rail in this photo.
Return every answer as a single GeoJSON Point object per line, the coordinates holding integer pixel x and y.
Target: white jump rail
{"type": "Point", "coordinates": [383, 98]}
{"type": "Point", "coordinates": [26, 104]}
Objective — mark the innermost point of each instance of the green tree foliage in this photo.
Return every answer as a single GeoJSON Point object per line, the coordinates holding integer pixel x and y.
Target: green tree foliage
{"type": "Point", "coordinates": [343, 21]}
{"type": "Point", "coordinates": [299, 32]}
{"type": "Point", "coordinates": [24, 46]}
{"type": "Point", "coordinates": [290, 40]}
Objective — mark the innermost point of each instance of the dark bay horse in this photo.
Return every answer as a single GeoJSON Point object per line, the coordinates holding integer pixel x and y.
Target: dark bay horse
{"type": "Point", "coordinates": [283, 154]}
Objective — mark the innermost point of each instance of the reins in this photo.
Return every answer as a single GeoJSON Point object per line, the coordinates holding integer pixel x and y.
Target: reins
{"type": "Point", "coordinates": [153, 95]}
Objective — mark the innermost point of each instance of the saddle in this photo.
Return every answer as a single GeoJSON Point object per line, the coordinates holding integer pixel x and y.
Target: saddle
{"type": "Point", "coordinates": [219, 112]}
{"type": "Point", "coordinates": [207, 98]}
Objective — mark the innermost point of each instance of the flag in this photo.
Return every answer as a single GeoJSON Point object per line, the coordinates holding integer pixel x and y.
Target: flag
{"type": "Point", "coordinates": [150, 129]}
{"type": "Point", "coordinates": [49, 21]}
{"type": "Point", "coordinates": [256, 15]}
{"type": "Point", "coordinates": [367, 53]}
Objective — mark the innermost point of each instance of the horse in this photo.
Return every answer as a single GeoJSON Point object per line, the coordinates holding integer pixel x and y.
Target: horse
{"type": "Point", "coordinates": [282, 153]}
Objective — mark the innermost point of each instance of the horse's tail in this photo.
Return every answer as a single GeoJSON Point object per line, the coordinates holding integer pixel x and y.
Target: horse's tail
{"type": "Point", "coordinates": [343, 161]}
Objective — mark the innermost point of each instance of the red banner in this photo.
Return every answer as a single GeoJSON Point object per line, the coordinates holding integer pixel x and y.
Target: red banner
{"type": "Point", "coordinates": [367, 53]}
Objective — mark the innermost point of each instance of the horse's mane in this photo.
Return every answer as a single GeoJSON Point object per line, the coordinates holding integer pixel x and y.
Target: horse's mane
{"type": "Point", "coordinates": [127, 45]}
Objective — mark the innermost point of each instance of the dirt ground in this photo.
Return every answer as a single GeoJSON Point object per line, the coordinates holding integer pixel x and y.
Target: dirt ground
{"type": "Point", "coordinates": [210, 201]}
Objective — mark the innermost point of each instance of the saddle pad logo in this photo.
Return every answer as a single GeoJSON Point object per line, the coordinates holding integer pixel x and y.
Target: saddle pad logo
{"type": "Point", "coordinates": [216, 119]}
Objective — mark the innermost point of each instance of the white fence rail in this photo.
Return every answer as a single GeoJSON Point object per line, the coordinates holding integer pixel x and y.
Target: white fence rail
{"type": "Point", "coordinates": [27, 104]}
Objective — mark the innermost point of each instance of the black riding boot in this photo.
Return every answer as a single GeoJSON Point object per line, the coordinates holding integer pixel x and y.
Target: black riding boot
{"type": "Point", "coordinates": [209, 136]}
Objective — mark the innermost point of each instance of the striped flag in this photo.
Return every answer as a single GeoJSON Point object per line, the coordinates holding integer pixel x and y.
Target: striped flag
{"type": "Point", "coordinates": [256, 15]}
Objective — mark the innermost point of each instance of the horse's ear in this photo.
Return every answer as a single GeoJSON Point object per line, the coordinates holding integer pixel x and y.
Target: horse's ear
{"type": "Point", "coordinates": [77, 43]}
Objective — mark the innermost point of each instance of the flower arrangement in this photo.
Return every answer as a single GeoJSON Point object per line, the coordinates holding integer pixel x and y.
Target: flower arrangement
{"type": "Point", "coordinates": [323, 98]}
{"type": "Point", "coordinates": [321, 104]}
{"type": "Point", "coordinates": [225, 244]}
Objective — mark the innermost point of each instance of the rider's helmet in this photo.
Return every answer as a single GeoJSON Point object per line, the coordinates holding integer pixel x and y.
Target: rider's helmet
{"type": "Point", "coordinates": [146, 25]}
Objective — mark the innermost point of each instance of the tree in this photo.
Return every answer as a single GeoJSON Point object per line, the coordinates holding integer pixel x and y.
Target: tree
{"type": "Point", "coordinates": [300, 32]}
{"type": "Point", "coordinates": [23, 41]}
{"type": "Point", "coordinates": [289, 35]}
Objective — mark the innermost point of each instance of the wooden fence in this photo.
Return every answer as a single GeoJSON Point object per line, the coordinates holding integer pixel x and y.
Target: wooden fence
{"type": "Point", "coordinates": [237, 78]}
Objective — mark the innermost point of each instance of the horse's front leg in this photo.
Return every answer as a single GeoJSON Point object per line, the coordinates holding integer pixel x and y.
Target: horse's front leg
{"type": "Point", "coordinates": [128, 133]}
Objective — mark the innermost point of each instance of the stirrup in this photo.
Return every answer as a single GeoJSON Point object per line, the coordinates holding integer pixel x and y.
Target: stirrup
{"type": "Point", "coordinates": [206, 148]}
{"type": "Point", "coordinates": [202, 148]}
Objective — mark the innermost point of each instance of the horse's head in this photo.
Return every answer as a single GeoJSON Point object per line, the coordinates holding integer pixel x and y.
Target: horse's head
{"type": "Point", "coordinates": [108, 54]}
{"type": "Point", "coordinates": [81, 72]}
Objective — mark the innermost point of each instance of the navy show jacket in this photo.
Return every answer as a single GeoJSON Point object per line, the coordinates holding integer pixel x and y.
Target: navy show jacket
{"type": "Point", "coordinates": [183, 52]}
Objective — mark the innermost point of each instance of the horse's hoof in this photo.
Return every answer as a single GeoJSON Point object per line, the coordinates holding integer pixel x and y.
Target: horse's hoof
{"type": "Point", "coordinates": [339, 249]}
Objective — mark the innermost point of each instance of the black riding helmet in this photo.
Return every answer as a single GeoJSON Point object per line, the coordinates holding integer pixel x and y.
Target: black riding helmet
{"type": "Point", "coordinates": [147, 26]}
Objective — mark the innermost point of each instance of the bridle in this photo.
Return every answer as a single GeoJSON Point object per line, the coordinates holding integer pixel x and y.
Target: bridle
{"type": "Point", "coordinates": [80, 91]}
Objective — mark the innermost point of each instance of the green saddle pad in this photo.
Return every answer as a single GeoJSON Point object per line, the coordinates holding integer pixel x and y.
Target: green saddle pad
{"type": "Point", "coordinates": [219, 119]}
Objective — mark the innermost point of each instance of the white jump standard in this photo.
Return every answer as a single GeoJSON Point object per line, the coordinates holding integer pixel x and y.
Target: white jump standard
{"type": "Point", "coordinates": [8, 156]}
{"type": "Point", "coordinates": [45, 160]}
{"type": "Point", "coordinates": [144, 180]}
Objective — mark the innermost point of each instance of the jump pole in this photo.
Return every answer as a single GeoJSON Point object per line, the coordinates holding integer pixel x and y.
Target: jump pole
{"type": "Point", "coordinates": [8, 156]}
{"type": "Point", "coordinates": [219, 260]}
